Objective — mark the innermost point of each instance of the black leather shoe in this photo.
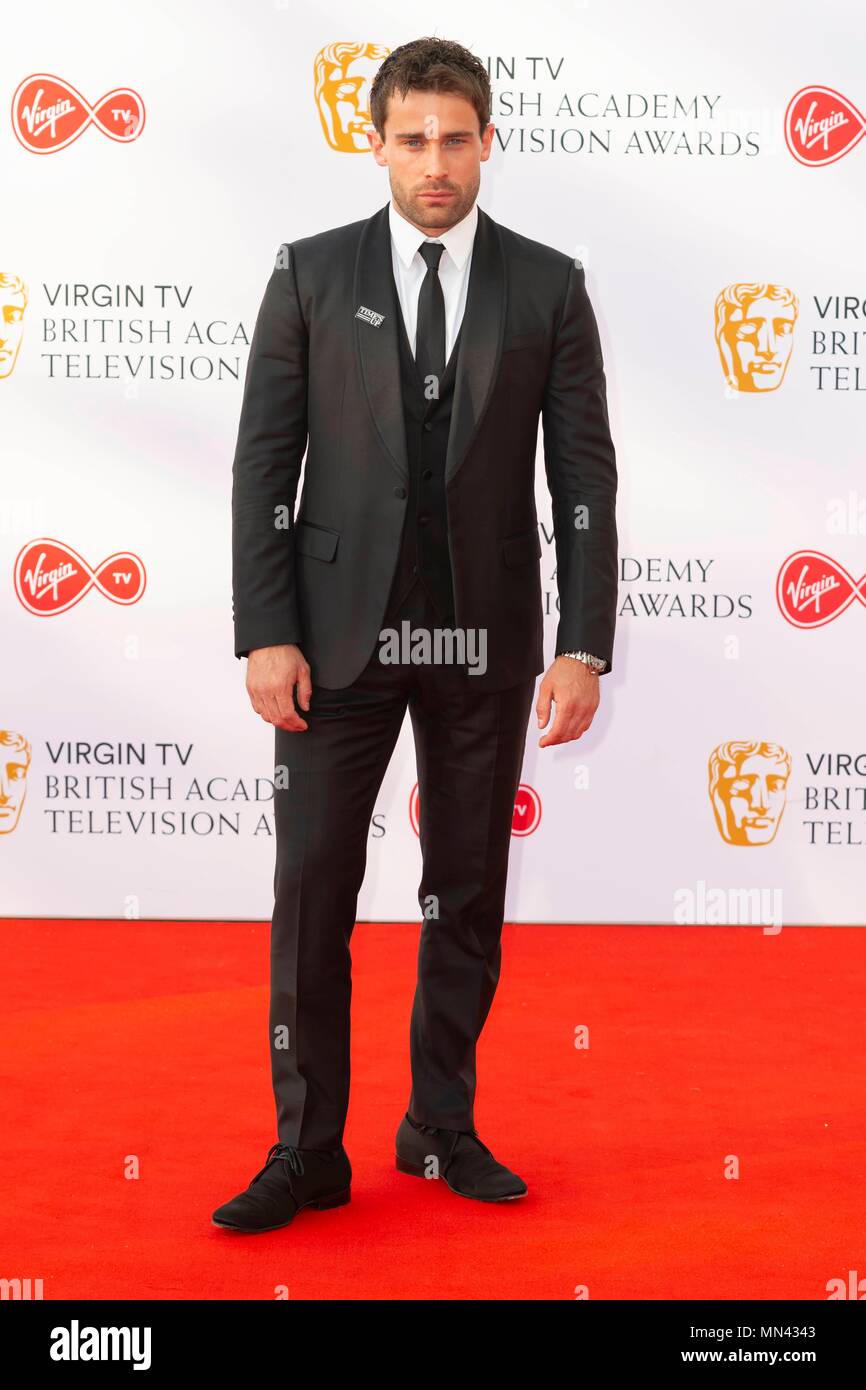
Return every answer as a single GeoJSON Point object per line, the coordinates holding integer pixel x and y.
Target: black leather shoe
{"type": "Point", "coordinates": [290, 1180]}
{"type": "Point", "coordinates": [466, 1165]}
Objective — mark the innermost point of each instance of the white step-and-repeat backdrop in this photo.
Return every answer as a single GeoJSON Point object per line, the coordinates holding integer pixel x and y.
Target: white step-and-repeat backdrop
{"type": "Point", "coordinates": [707, 168]}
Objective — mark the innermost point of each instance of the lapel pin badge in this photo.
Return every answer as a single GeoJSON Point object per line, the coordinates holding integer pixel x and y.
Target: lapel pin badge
{"type": "Point", "coordinates": [369, 316]}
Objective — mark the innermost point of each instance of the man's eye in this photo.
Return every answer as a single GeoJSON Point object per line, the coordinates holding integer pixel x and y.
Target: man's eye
{"type": "Point", "coordinates": [451, 140]}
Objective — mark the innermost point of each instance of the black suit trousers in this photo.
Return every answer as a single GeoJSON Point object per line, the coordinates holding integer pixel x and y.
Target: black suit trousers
{"type": "Point", "coordinates": [469, 749]}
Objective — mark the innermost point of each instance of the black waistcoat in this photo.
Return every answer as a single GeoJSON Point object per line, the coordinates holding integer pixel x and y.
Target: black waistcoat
{"type": "Point", "coordinates": [424, 555]}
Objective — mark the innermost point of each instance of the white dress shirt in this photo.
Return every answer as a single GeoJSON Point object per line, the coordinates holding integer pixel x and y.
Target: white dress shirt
{"type": "Point", "coordinates": [410, 269]}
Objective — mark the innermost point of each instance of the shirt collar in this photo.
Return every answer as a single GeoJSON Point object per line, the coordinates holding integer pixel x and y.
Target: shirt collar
{"type": "Point", "coordinates": [457, 240]}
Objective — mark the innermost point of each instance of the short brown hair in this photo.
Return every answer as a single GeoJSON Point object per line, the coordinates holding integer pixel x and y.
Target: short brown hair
{"type": "Point", "coordinates": [431, 65]}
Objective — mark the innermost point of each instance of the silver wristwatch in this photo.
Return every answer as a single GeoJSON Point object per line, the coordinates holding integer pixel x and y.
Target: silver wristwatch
{"type": "Point", "coordinates": [595, 663]}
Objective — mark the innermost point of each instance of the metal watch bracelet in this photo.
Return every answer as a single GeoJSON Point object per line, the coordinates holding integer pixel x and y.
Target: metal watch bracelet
{"type": "Point", "coordinates": [595, 663]}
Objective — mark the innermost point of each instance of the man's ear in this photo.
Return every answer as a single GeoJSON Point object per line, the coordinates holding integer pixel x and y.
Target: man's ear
{"type": "Point", "coordinates": [377, 145]}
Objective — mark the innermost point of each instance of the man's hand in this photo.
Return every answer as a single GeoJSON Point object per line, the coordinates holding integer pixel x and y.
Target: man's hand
{"type": "Point", "coordinates": [573, 688]}
{"type": "Point", "coordinates": [272, 674]}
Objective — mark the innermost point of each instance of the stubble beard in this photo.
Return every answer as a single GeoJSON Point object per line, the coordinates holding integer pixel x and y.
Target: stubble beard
{"type": "Point", "coordinates": [432, 218]}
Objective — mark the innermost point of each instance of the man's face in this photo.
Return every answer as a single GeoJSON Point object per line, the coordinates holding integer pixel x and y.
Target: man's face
{"type": "Point", "coordinates": [433, 152]}
{"type": "Point", "coordinates": [759, 338]}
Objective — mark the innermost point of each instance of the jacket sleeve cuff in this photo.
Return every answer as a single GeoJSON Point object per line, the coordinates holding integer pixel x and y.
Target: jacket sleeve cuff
{"type": "Point", "coordinates": [266, 630]}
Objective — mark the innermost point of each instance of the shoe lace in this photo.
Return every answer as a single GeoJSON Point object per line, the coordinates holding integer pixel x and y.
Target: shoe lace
{"type": "Point", "coordinates": [288, 1154]}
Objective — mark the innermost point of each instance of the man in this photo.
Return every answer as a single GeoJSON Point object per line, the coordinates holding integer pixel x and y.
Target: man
{"type": "Point", "coordinates": [411, 355]}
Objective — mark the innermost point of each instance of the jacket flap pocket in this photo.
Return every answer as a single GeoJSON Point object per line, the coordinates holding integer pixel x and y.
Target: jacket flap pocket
{"type": "Point", "coordinates": [318, 541]}
{"type": "Point", "coordinates": [520, 549]}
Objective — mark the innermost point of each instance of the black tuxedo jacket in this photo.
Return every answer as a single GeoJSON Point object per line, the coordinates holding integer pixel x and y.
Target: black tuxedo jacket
{"type": "Point", "coordinates": [324, 377]}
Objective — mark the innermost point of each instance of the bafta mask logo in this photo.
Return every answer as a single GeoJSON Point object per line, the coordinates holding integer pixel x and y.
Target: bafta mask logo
{"type": "Point", "coordinates": [13, 302]}
{"type": "Point", "coordinates": [343, 74]}
{"type": "Point", "coordinates": [14, 766]}
{"type": "Point", "coordinates": [754, 334]}
{"type": "Point", "coordinates": [747, 788]}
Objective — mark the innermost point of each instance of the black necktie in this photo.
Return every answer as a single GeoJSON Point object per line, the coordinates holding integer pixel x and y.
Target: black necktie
{"type": "Point", "coordinates": [430, 334]}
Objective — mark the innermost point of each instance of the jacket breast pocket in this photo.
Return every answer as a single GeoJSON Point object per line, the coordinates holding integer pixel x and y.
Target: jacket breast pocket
{"type": "Point", "coordinates": [318, 541]}
{"type": "Point", "coordinates": [520, 549]}
{"type": "Point", "coordinates": [524, 340]}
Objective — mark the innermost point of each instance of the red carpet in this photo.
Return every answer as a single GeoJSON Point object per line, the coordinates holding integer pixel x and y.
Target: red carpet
{"type": "Point", "coordinates": [149, 1039]}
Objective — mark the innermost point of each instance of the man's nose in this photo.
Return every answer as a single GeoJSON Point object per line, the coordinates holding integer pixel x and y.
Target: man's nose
{"type": "Point", "coordinates": [434, 163]}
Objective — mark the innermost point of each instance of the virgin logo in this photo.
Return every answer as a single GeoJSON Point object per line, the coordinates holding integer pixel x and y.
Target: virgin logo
{"type": "Point", "coordinates": [812, 589]}
{"type": "Point", "coordinates": [527, 810]}
{"type": "Point", "coordinates": [51, 577]}
{"type": "Point", "coordinates": [526, 817]}
{"type": "Point", "coordinates": [821, 126]}
{"type": "Point", "coordinates": [48, 114]}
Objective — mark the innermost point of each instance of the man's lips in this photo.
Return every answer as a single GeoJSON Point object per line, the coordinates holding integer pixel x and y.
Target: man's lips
{"type": "Point", "coordinates": [445, 194]}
